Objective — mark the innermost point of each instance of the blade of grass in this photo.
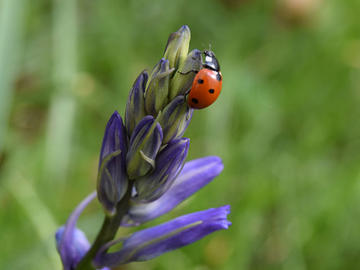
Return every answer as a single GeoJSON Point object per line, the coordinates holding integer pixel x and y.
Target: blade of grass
{"type": "Point", "coordinates": [63, 104]}
{"type": "Point", "coordinates": [38, 214]}
{"type": "Point", "coordinates": [11, 22]}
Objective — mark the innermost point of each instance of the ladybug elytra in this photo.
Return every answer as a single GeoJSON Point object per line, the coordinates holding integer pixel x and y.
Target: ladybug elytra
{"type": "Point", "coordinates": [207, 83]}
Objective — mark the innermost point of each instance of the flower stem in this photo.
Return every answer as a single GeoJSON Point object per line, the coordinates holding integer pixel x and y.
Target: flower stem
{"type": "Point", "coordinates": [107, 232]}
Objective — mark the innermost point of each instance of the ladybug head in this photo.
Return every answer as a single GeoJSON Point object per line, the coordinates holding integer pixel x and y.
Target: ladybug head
{"type": "Point", "coordinates": [210, 61]}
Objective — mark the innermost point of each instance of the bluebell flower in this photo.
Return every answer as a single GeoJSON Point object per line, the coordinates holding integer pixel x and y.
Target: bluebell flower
{"type": "Point", "coordinates": [112, 178]}
{"type": "Point", "coordinates": [145, 143]}
{"type": "Point", "coordinates": [77, 246]}
{"type": "Point", "coordinates": [142, 171]}
{"type": "Point", "coordinates": [177, 47]}
{"type": "Point", "coordinates": [168, 165]}
{"type": "Point", "coordinates": [152, 242]}
{"type": "Point", "coordinates": [135, 107]}
{"type": "Point", "coordinates": [71, 242]}
{"type": "Point", "coordinates": [175, 118]}
{"type": "Point", "coordinates": [195, 175]}
{"type": "Point", "coordinates": [156, 95]}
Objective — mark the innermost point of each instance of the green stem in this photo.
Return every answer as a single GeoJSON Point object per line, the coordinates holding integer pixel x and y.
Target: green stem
{"type": "Point", "coordinates": [108, 231]}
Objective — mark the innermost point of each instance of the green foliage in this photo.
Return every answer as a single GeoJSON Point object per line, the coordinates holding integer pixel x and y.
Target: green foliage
{"type": "Point", "coordinates": [285, 124]}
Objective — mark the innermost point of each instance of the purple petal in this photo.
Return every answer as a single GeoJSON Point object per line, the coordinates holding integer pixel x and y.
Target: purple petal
{"type": "Point", "coordinates": [135, 107]}
{"type": "Point", "coordinates": [71, 242]}
{"type": "Point", "coordinates": [195, 174]}
{"type": "Point", "coordinates": [114, 137]}
{"type": "Point", "coordinates": [175, 118]}
{"type": "Point", "coordinates": [78, 247]}
{"type": "Point", "coordinates": [156, 95]}
{"type": "Point", "coordinates": [145, 143]}
{"type": "Point", "coordinates": [152, 242]}
{"type": "Point", "coordinates": [140, 131]}
{"type": "Point", "coordinates": [112, 178]}
{"type": "Point", "coordinates": [168, 164]}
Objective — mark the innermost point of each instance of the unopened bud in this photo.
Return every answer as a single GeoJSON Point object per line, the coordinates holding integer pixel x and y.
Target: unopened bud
{"type": "Point", "coordinates": [145, 143]}
{"type": "Point", "coordinates": [177, 46]}
{"type": "Point", "coordinates": [135, 107]}
{"type": "Point", "coordinates": [175, 118]}
{"type": "Point", "coordinates": [184, 76]}
{"type": "Point", "coordinates": [112, 178]}
{"type": "Point", "coordinates": [168, 164]}
{"type": "Point", "coordinates": [156, 96]}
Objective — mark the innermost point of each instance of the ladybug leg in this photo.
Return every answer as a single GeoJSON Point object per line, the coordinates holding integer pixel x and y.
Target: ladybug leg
{"type": "Point", "coordinates": [186, 73]}
{"type": "Point", "coordinates": [187, 92]}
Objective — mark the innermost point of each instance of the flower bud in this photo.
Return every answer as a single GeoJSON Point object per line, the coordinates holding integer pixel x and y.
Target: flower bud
{"type": "Point", "coordinates": [184, 76]}
{"type": "Point", "coordinates": [168, 164]}
{"type": "Point", "coordinates": [175, 118]}
{"type": "Point", "coordinates": [135, 107]}
{"type": "Point", "coordinates": [71, 242]}
{"type": "Point", "coordinates": [193, 176]}
{"type": "Point", "coordinates": [177, 46]}
{"type": "Point", "coordinates": [156, 96]}
{"type": "Point", "coordinates": [145, 143]}
{"type": "Point", "coordinates": [112, 178]}
{"type": "Point", "coordinates": [76, 248]}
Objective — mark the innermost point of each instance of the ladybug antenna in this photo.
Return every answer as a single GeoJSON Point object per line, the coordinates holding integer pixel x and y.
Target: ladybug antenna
{"type": "Point", "coordinates": [210, 47]}
{"type": "Point", "coordinates": [204, 47]}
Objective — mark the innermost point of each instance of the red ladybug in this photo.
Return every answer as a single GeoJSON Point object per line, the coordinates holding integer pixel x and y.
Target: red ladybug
{"type": "Point", "coordinates": [207, 83]}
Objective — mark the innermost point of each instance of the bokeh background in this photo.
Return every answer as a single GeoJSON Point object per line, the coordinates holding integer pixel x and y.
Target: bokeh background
{"type": "Point", "coordinates": [286, 124]}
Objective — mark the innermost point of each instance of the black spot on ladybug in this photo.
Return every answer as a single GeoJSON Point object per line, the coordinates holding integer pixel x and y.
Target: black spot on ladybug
{"type": "Point", "coordinates": [218, 77]}
{"type": "Point", "coordinates": [201, 81]}
{"type": "Point", "coordinates": [194, 100]}
{"type": "Point", "coordinates": [211, 91]}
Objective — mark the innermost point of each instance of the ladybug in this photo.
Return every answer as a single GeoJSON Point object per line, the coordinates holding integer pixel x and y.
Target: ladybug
{"type": "Point", "coordinates": [207, 83]}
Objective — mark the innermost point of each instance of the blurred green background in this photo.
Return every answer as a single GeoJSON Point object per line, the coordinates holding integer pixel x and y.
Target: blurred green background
{"type": "Point", "coordinates": [286, 124]}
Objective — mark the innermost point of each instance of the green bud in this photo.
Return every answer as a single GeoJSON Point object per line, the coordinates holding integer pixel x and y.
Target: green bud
{"type": "Point", "coordinates": [177, 46]}
{"type": "Point", "coordinates": [183, 78]}
{"type": "Point", "coordinates": [156, 96]}
{"type": "Point", "coordinates": [175, 118]}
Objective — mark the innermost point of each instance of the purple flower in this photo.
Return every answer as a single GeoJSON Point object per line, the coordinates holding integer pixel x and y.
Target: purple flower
{"type": "Point", "coordinates": [135, 107]}
{"type": "Point", "coordinates": [156, 95]}
{"type": "Point", "coordinates": [78, 246]}
{"type": "Point", "coordinates": [152, 242]}
{"type": "Point", "coordinates": [71, 242]}
{"type": "Point", "coordinates": [175, 118]}
{"type": "Point", "coordinates": [168, 164]}
{"type": "Point", "coordinates": [195, 175]}
{"type": "Point", "coordinates": [142, 173]}
{"type": "Point", "coordinates": [143, 245]}
{"type": "Point", "coordinates": [145, 143]}
{"type": "Point", "coordinates": [112, 179]}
